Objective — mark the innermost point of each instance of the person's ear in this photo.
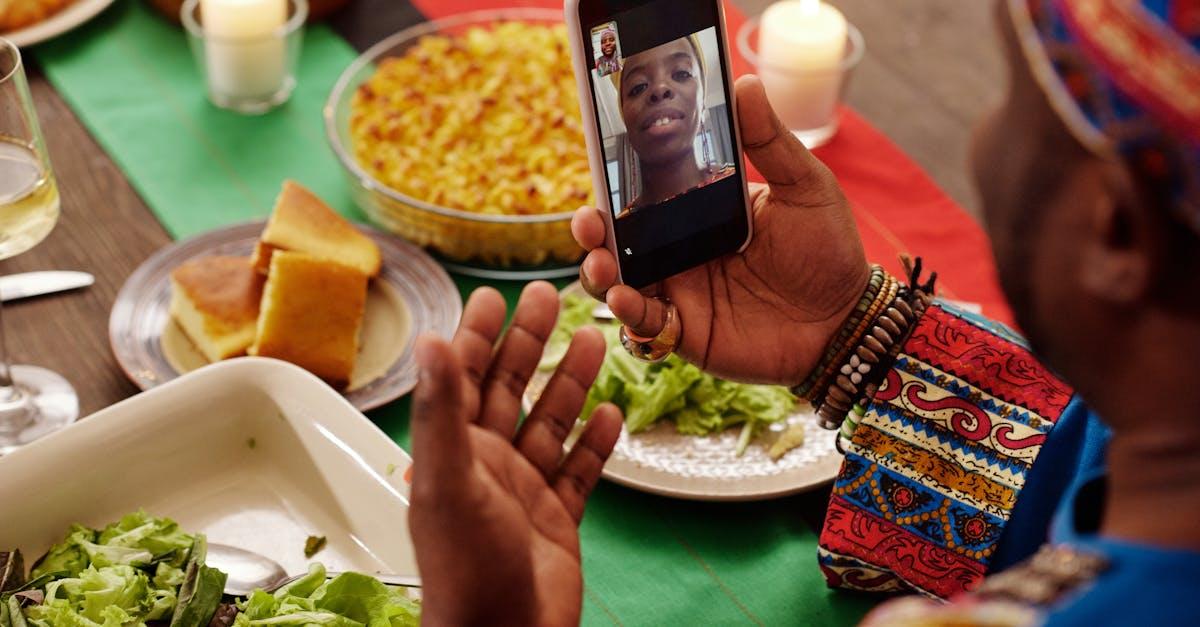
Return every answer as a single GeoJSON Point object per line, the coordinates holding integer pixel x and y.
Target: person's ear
{"type": "Point", "coordinates": [1118, 238]}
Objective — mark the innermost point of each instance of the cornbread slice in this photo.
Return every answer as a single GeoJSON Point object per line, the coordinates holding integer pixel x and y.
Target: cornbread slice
{"type": "Point", "coordinates": [215, 300]}
{"type": "Point", "coordinates": [301, 222]}
{"type": "Point", "coordinates": [312, 311]}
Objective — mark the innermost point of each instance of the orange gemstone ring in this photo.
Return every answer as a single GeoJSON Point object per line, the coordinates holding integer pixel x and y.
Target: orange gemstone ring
{"type": "Point", "coordinates": [656, 348]}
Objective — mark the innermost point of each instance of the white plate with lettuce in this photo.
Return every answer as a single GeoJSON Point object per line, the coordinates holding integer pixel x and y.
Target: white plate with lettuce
{"type": "Point", "coordinates": [689, 435]}
{"type": "Point", "coordinates": [253, 453]}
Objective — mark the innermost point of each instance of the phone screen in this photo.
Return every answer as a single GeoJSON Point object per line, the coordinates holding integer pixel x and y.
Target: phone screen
{"type": "Point", "coordinates": [660, 90]}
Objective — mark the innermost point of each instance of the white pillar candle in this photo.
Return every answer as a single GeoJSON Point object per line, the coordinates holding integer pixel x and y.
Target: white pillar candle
{"type": "Point", "coordinates": [801, 45]}
{"type": "Point", "coordinates": [244, 50]}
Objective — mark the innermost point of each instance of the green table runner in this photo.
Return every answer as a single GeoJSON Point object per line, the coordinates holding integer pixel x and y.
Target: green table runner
{"type": "Point", "coordinates": [648, 560]}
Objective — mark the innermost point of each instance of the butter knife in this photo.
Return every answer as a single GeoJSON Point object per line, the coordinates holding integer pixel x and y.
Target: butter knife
{"type": "Point", "coordinates": [28, 284]}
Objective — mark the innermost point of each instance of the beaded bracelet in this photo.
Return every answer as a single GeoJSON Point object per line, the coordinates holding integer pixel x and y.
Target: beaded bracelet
{"type": "Point", "coordinates": [886, 294]}
{"type": "Point", "coordinates": [839, 341]}
{"type": "Point", "coordinates": [859, 410]}
{"type": "Point", "coordinates": [870, 356]}
{"type": "Point", "coordinates": [860, 377]}
{"type": "Point", "coordinates": [852, 333]}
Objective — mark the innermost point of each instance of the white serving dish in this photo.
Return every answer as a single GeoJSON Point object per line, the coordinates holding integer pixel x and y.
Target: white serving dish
{"type": "Point", "coordinates": [253, 452]}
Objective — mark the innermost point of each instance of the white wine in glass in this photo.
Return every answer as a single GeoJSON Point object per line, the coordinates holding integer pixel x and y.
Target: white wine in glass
{"type": "Point", "coordinates": [28, 198]}
{"type": "Point", "coordinates": [33, 401]}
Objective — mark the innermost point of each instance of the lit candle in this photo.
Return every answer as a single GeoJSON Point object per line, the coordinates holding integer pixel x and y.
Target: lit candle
{"type": "Point", "coordinates": [801, 45]}
{"type": "Point", "coordinates": [244, 49]}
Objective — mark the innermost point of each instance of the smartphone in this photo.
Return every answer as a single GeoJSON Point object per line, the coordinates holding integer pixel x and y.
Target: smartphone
{"type": "Point", "coordinates": [661, 126]}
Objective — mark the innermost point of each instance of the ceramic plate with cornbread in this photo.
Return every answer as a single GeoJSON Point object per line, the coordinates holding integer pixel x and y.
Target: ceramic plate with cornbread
{"type": "Point", "coordinates": [306, 286]}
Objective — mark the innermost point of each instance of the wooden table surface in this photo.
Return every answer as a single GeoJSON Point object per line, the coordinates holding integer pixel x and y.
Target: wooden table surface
{"type": "Point", "coordinates": [925, 80]}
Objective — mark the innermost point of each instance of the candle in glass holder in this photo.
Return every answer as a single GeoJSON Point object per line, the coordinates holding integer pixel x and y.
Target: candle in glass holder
{"type": "Point", "coordinates": [801, 46]}
{"type": "Point", "coordinates": [244, 50]}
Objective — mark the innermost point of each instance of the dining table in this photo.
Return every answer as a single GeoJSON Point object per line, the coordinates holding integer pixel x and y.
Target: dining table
{"type": "Point", "coordinates": [142, 159]}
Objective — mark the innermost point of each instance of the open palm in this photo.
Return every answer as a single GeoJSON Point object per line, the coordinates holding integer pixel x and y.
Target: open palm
{"type": "Point", "coordinates": [764, 314]}
{"type": "Point", "coordinates": [495, 510]}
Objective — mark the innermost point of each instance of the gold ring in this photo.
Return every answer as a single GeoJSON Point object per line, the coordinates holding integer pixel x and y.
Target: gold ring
{"type": "Point", "coordinates": [657, 348]}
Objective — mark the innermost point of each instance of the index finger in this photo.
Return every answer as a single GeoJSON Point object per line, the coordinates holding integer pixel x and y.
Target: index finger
{"type": "Point", "coordinates": [588, 228]}
{"type": "Point", "coordinates": [598, 273]}
{"type": "Point", "coordinates": [439, 421]}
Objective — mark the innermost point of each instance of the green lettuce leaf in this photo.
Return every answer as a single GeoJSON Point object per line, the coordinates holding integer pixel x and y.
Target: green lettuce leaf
{"type": "Point", "coordinates": [68, 556]}
{"type": "Point", "coordinates": [167, 576]}
{"type": "Point", "coordinates": [13, 613]}
{"type": "Point", "coordinates": [763, 403]}
{"type": "Point", "coordinates": [161, 537]}
{"type": "Point", "coordinates": [694, 421]}
{"type": "Point", "coordinates": [365, 599]}
{"type": "Point", "coordinates": [136, 540]}
{"type": "Point", "coordinates": [675, 390]}
{"type": "Point", "coordinates": [60, 614]}
{"type": "Point", "coordinates": [306, 585]}
{"type": "Point", "coordinates": [259, 605]}
{"type": "Point", "coordinates": [712, 397]}
{"type": "Point", "coordinates": [298, 619]}
{"type": "Point", "coordinates": [101, 555]}
{"type": "Point", "coordinates": [97, 595]}
{"type": "Point", "coordinates": [348, 600]}
{"type": "Point", "coordinates": [202, 588]}
{"type": "Point", "coordinates": [98, 590]}
{"type": "Point", "coordinates": [128, 573]}
{"type": "Point", "coordinates": [663, 391]}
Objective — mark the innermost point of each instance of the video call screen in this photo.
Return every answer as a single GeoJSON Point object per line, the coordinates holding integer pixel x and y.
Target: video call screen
{"type": "Point", "coordinates": [665, 123]}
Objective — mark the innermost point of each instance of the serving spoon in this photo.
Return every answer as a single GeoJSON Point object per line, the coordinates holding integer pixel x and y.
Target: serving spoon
{"type": "Point", "coordinates": [249, 571]}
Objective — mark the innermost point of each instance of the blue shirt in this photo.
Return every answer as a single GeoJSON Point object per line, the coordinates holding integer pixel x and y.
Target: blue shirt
{"type": "Point", "coordinates": [1143, 585]}
{"type": "Point", "coordinates": [1063, 493]}
{"type": "Point", "coordinates": [1074, 449]}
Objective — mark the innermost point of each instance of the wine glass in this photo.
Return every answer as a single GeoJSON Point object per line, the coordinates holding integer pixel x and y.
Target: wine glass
{"type": "Point", "coordinates": [33, 401]}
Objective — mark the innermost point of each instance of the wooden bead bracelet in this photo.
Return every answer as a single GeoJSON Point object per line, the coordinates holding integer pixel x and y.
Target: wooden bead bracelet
{"type": "Point", "coordinates": [849, 387]}
{"type": "Point", "coordinates": [886, 293]}
{"type": "Point", "coordinates": [874, 283]}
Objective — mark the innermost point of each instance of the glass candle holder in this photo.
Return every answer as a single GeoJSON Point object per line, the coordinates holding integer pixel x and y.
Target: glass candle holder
{"type": "Point", "coordinates": [805, 99]}
{"type": "Point", "coordinates": [246, 51]}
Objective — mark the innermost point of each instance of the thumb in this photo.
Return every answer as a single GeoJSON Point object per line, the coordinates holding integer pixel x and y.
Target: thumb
{"type": "Point", "coordinates": [441, 451]}
{"type": "Point", "coordinates": [645, 316]}
{"type": "Point", "coordinates": [794, 175]}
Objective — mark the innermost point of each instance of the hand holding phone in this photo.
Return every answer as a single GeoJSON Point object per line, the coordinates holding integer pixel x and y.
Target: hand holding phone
{"type": "Point", "coordinates": [766, 313]}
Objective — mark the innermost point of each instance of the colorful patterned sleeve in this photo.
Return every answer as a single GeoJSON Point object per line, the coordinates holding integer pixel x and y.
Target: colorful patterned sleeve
{"type": "Point", "coordinates": [938, 461]}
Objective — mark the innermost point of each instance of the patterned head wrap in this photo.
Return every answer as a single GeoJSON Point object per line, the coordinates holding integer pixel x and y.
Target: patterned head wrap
{"type": "Point", "coordinates": [1125, 77]}
{"type": "Point", "coordinates": [608, 31]}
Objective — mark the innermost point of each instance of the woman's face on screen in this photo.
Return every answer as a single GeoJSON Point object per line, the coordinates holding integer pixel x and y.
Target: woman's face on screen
{"type": "Point", "coordinates": [661, 100]}
{"type": "Point", "coordinates": [608, 44]}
